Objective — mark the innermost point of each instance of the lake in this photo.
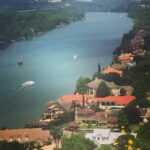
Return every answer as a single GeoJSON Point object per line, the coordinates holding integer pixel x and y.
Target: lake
{"type": "Point", "coordinates": [48, 61]}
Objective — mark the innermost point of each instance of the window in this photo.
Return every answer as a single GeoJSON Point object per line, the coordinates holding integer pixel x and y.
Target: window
{"type": "Point", "coordinates": [19, 138]}
{"type": "Point", "coordinates": [103, 103]}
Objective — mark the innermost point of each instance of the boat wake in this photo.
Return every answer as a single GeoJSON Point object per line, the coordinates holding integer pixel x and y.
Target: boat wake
{"type": "Point", "coordinates": [21, 88]}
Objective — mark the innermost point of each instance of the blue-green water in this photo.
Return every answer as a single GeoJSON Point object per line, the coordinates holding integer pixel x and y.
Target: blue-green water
{"type": "Point", "coordinates": [48, 60]}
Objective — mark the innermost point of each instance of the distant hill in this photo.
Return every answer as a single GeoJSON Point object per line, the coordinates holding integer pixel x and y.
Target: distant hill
{"type": "Point", "coordinates": [16, 3]}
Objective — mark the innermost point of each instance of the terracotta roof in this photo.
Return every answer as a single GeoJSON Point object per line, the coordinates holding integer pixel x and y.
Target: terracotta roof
{"type": "Point", "coordinates": [86, 112]}
{"type": "Point", "coordinates": [126, 57]}
{"type": "Point", "coordinates": [112, 70]}
{"type": "Point", "coordinates": [120, 100]}
{"type": "Point", "coordinates": [101, 116]}
{"type": "Point", "coordinates": [25, 135]}
{"type": "Point", "coordinates": [74, 97]}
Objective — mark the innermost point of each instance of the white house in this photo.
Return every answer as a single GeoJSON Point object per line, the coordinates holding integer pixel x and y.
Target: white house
{"type": "Point", "coordinates": [102, 136]}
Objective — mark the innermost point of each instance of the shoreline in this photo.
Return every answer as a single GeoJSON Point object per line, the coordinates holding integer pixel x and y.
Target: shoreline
{"type": "Point", "coordinates": [33, 28]}
{"type": "Point", "coordinates": [113, 48]}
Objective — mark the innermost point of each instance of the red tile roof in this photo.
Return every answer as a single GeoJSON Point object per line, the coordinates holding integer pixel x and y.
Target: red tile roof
{"type": "Point", "coordinates": [75, 97]}
{"type": "Point", "coordinates": [25, 135]}
{"type": "Point", "coordinates": [112, 70]}
{"type": "Point", "coordinates": [126, 57]}
{"type": "Point", "coordinates": [101, 116]}
{"type": "Point", "coordinates": [120, 100]}
{"type": "Point", "coordinates": [86, 112]}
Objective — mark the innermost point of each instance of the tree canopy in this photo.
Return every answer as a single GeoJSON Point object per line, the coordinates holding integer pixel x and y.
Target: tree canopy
{"type": "Point", "coordinates": [81, 85]}
{"type": "Point", "coordinates": [102, 90]}
{"type": "Point", "coordinates": [77, 142]}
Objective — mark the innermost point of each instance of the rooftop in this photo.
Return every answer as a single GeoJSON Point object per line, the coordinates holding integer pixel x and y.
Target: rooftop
{"type": "Point", "coordinates": [126, 57]}
{"type": "Point", "coordinates": [120, 100]}
{"type": "Point", "coordinates": [25, 135]}
{"type": "Point", "coordinates": [95, 83]}
{"type": "Point", "coordinates": [112, 70]}
{"type": "Point", "coordinates": [86, 112]}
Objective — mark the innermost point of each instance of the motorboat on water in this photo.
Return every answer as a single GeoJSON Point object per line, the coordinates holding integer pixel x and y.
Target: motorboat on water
{"type": "Point", "coordinates": [20, 63]}
{"type": "Point", "coordinates": [75, 57]}
{"type": "Point", "coordinates": [28, 83]}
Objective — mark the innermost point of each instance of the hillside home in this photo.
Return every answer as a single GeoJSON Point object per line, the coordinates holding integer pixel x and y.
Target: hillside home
{"type": "Point", "coordinates": [36, 135]}
{"type": "Point", "coordinates": [125, 58]}
{"type": "Point", "coordinates": [53, 110]}
{"type": "Point", "coordinates": [88, 116]}
{"type": "Point", "coordinates": [103, 136]}
{"type": "Point", "coordinates": [110, 102]}
{"type": "Point", "coordinates": [93, 85]}
{"type": "Point", "coordinates": [136, 43]}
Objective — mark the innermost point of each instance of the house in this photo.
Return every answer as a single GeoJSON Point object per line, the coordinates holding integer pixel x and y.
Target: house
{"type": "Point", "coordinates": [88, 116]}
{"type": "Point", "coordinates": [102, 136]}
{"type": "Point", "coordinates": [145, 114]}
{"type": "Point", "coordinates": [142, 33]}
{"type": "Point", "coordinates": [115, 89]}
{"type": "Point", "coordinates": [125, 58]}
{"type": "Point", "coordinates": [104, 102]}
{"type": "Point", "coordinates": [71, 99]}
{"type": "Point", "coordinates": [136, 43]}
{"type": "Point", "coordinates": [139, 52]}
{"type": "Point", "coordinates": [112, 70]}
{"type": "Point", "coordinates": [36, 135]}
{"type": "Point", "coordinates": [53, 110]}
{"type": "Point", "coordinates": [110, 102]}
{"type": "Point", "coordinates": [93, 85]}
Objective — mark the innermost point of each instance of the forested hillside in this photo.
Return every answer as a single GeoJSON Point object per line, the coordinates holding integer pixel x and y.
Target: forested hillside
{"type": "Point", "coordinates": [23, 25]}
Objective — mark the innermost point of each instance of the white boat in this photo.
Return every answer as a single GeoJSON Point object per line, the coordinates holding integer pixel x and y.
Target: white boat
{"type": "Point", "coordinates": [28, 83]}
{"type": "Point", "coordinates": [75, 56]}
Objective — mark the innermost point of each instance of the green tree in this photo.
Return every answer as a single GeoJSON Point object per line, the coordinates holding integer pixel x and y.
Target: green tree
{"type": "Point", "coordinates": [122, 92]}
{"type": "Point", "coordinates": [102, 90]}
{"type": "Point", "coordinates": [81, 85]}
{"type": "Point", "coordinates": [122, 119]}
{"type": "Point", "coordinates": [15, 146]}
{"type": "Point", "coordinates": [112, 77]}
{"type": "Point", "coordinates": [133, 114]}
{"type": "Point", "coordinates": [95, 107]}
{"type": "Point", "coordinates": [143, 137]}
{"type": "Point", "coordinates": [77, 142]}
{"type": "Point", "coordinates": [123, 141]}
{"type": "Point", "coordinates": [57, 133]}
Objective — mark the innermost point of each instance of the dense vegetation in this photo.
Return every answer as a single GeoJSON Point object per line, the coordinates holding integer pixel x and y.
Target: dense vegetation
{"type": "Point", "coordinates": [81, 85]}
{"type": "Point", "coordinates": [77, 142]}
{"type": "Point", "coordinates": [23, 25]}
{"type": "Point", "coordinates": [16, 146]}
{"type": "Point", "coordinates": [102, 90]}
